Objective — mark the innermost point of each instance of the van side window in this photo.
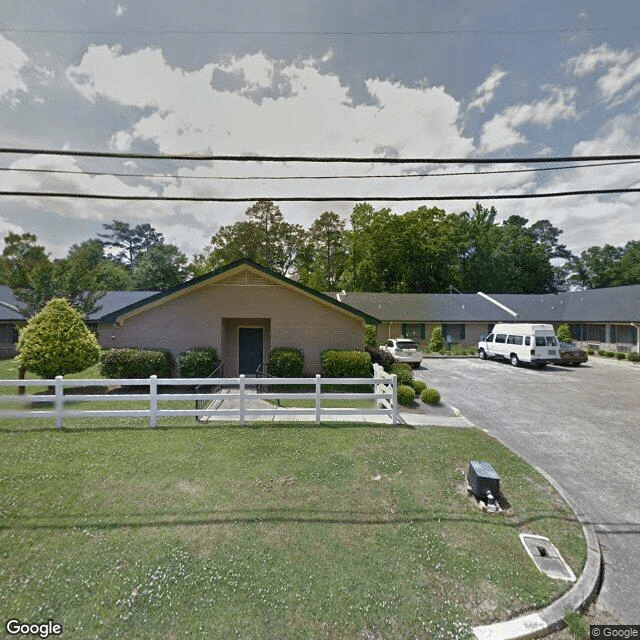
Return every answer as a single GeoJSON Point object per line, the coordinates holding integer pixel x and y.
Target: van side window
{"type": "Point", "coordinates": [489, 338]}
{"type": "Point", "coordinates": [501, 337]}
{"type": "Point", "coordinates": [527, 341]}
{"type": "Point", "coordinates": [517, 340]}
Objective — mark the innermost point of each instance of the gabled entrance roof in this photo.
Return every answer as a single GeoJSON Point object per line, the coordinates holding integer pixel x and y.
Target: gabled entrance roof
{"type": "Point", "coordinates": [237, 266]}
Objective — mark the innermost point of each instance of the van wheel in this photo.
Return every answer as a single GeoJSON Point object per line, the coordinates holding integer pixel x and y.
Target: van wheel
{"type": "Point", "coordinates": [483, 354]}
{"type": "Point", "coordinates": [514, 360]}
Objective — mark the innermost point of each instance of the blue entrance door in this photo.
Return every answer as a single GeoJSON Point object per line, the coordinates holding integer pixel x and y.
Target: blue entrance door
{"type": "Point", "coordinates": [250, 349]}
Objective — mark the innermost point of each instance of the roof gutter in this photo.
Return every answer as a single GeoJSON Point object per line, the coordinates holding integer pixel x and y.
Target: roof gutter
{"type": "Point", "coordinates": [498, 304]}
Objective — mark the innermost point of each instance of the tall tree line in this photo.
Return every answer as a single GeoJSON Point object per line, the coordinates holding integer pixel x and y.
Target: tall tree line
{"type": "Point", "coordinates": [426, 250]}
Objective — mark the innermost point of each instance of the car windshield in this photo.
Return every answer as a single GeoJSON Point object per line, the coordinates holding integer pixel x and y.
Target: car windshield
{"type": "Point", "coordinates": [407, 344]}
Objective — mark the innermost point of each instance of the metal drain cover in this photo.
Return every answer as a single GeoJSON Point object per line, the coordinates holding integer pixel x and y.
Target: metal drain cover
{"type": "Point", "coordinates": [547, 557]}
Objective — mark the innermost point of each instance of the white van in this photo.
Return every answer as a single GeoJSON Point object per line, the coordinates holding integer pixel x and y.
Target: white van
{"type": "Point", "coordinates": [521, 342]}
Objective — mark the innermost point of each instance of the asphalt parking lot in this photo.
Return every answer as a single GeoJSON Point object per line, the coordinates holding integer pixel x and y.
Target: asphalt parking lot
{"type": "Point", "coordinates": [579, 424]}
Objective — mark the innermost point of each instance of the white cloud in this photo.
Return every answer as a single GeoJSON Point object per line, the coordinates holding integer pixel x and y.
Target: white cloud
{"type": "Point", "coordinates": [12, 61]}
{"type": "Point", "coordinates": [622, 71]}
{"type": "Point", "coordinates": [486, 91]}
{"type": "Point", "coordinates": [501, 131]}
{"type": "Point", "coordinates": [300, 108]}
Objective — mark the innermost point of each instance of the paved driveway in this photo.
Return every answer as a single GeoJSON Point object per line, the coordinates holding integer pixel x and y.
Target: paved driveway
{"type": "Point", "coordinates": [582, 426]}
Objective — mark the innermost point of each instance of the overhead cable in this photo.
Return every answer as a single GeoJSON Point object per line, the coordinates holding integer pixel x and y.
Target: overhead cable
{"type": "Point", "coordinates": [315, 159]}
{"type": "Point", "coordinates": [501, 196]}
{"type": "Point", "coordinates": [169, 176]}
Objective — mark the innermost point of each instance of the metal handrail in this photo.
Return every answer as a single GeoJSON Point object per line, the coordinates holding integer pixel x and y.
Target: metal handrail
{"type": "Point", "coordinates": [218, 372]}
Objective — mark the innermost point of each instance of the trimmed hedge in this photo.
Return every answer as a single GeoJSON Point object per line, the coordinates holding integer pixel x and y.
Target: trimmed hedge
{"type": "Point", "coordinates": [404, 373]}
{"type": "Point", "coordinates": [345, 364]}
{"type": "Point", "coordinates": [430, 396]}
{"type": "Point", "coordinates": [381, 357]}
{"type": "Point", "coordinates": [286, 362]}
{"type": "Point", "coordinates": [198, 362]}
{"type": "Point", "coordinates": [634, 356]}
{"type": "Point", "coordinates": [620, 355]}
{"type": "Point", "coordinates": [406, 394]}
{"type": "Point", "coordinates": [135, 363]}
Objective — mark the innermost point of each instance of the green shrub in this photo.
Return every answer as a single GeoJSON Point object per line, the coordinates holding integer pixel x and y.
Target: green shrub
{"type": "Point", "coordinates": [430, 396]}
{"type": "Point", "coordinates": [610, 354]}
{"type": "Point", "coordinates": [404, 372]}
{"type": "Point", "coordinates": [457, 350]}
{"type": "Point", "coordinates": [621, 356]}
{"type": "Point", "coordinates": [381, 357]}
{"type": "Point", "coordinates": [371, 336]}
{"type": "Point", "coordinates": [564, 333]}
{"type": "Point", "coordinates": [406, 394]}
{"type": "Point", "coordinates": [590, 351]}
{"type": "Point", "coordinates": [56, 342]}
{"type": "Point", "coordinates": [336, 363]}
{"type": "Point", "coordinates": [286, 362]}
{"type": "Point", "coordinates": [436, 344]}
{"type": "Point", "coordinates": [198, 362]}
{"type": "Point", "coordinates": [419, 386]}
{"type": "Point", "coordinates": [135, 363]}
{"type": "Point", "coordinates": [634, 356]}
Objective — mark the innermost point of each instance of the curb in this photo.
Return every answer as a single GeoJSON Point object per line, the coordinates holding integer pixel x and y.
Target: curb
{"type": "Point", "coordinates": [551, 618]}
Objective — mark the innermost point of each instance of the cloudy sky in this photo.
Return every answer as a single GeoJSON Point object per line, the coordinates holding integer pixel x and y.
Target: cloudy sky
{"type": "Point", "coordinates": [415, 78]}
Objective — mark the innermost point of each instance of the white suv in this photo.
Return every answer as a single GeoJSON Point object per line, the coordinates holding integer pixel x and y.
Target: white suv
{"type": "Point", "coordinates": [404, 350]}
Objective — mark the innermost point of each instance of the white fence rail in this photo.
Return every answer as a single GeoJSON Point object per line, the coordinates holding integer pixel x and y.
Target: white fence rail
{"type": "Point", "coordinates": [385, 393]}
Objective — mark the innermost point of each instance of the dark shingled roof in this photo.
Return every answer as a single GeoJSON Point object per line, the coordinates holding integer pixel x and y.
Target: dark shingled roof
{"type": "Point", "coordinates": [111, 301]}
{"type": "Point", "coordinates": [615, 304]}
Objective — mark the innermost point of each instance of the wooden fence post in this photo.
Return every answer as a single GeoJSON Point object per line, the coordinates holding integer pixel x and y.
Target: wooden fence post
{"type": "Point", "coordinates": [242, 407]}
{"type": "Point", "coordinates": [318, 392]}
{"type": "Point", "coordinates": [153, 401]}
{"type": "Point", "coordinates": [394, 401]}
{"type": "Point", "coordinates": [59, 401]}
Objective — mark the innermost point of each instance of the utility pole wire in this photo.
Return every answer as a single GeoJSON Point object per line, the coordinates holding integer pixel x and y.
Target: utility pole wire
{"type": "Point", "coordinates": [323, 159]}
{"type": "Point", "coordinates": [100, 196]}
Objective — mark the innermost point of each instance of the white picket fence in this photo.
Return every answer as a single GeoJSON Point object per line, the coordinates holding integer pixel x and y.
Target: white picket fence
{"type": "Point", "coordinates": [385, 393]}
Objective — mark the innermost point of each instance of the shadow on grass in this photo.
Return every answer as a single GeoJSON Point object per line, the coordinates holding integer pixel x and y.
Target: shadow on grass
{"type": "Point", "coordinates": [211, 426]}
{"type": "Point", "coordinates": [299, 516]}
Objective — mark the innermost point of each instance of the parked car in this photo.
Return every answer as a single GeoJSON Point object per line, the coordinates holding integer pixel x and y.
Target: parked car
{"type": "Point", "coordinates": [570, 354]}
{"type": "Point", "coordinates": [521, 342]}
{"type": "Point", "coordinates": [404, 350]}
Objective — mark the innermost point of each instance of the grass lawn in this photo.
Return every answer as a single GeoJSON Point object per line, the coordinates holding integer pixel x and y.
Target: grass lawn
{"type": "Point", "coordinates": [288, 531]}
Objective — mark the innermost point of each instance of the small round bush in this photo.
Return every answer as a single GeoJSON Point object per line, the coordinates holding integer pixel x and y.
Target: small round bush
{"type": "Point", "coordinates": [610, 354]}
{"type": "Point", "coordinates": [430, 396]}
{"type": "Point", "coordinates": [406, 394]}
{"type": "Point", "coordinates": [590, 352]}
{"type": "Point", "coordinates": [404, 373]}
{"type": "Point", "coordinates": [419, 386]}
{"type": "Point", "coordinates": [621, 356]}
{"type": "Point", "coordinates": [634, 356]}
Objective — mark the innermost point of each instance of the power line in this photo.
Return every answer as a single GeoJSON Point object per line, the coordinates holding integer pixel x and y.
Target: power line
{"type": "Point", "coordinates": [303, 32]}
{"type": "Point", "coordinates": [165, 176]}
{"type": "Point", "coordinates": [315, 159]}
{"type": "Point", "coordinates": [518, 196]}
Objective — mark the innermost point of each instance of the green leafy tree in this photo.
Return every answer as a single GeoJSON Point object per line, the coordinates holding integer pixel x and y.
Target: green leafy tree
{"type": "Point", "coordinates": [322, 259]}
{"type": "Point", "coordinates": [131, 241]}
{"type": "Point", "coordinates": [564, 333]}
{"type": "Point", "coordinates": [264, 237]}
{"type": "Point", "coordinates": [416, 252]}
{"type": "Point", "coordinates": [22, 259]}
{"type": "Point", "coordinates": [56, 341]}
{"type": "Point", "coordinates": [627, 269]}
{"type": "Point", "coordinates": [436, 344]}
{"type": "Point", "coordinates": [160, 267]}
{"type": "Point", "coordinates": [595, 267]}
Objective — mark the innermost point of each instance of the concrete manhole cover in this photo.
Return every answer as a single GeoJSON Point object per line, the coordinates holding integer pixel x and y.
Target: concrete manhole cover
{"type": "Point", "coordinates": [546, 557]}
